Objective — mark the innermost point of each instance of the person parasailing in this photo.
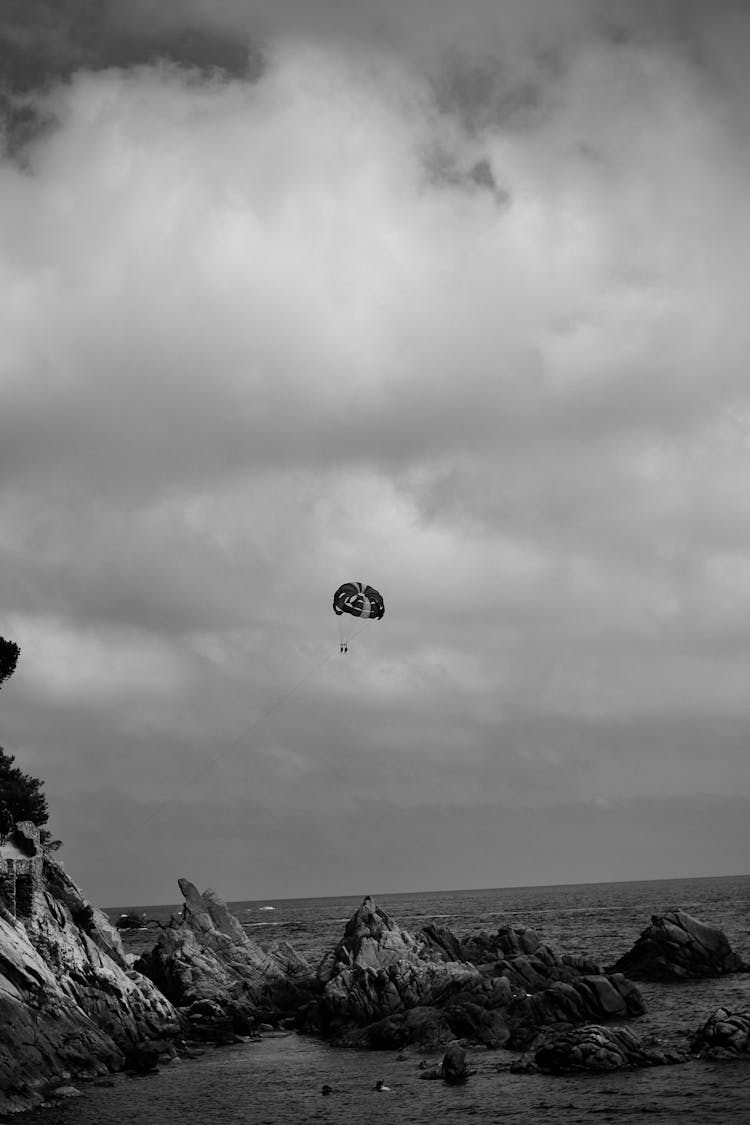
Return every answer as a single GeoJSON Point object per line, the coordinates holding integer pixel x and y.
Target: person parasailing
{"type": "Point", "coordinates": [355, 599]}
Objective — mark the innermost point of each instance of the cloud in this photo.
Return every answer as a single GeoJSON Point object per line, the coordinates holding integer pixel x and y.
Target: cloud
{"type": "Point", "coordinates": [453, 305]}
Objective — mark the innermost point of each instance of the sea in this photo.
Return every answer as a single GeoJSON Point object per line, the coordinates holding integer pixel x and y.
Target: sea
{"type": "Point", "coordinates": [278, 1078]}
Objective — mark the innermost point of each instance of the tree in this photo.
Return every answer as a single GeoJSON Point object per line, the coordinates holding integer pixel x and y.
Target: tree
{"type": "Point", "coordinates": [21, 796]}
{"type": "Point", "coordinates": [9, 653]}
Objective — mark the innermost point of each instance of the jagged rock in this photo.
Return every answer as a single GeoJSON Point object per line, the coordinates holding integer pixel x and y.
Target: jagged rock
{"type": "Point", "coordinates": [208, 915]}
{"type": "Point", "coordinates": [70, 1007]}
{"type": "Point", "coordinates": [372, 940]}
{"type": "Point", "coordinates": [587, 998]}
{"type": "Point", "coordinates": [453, 1068]}
{"type": "Point", "coordinates": [516, 953]}
{"type": "Point", "coordinates": [289, 960]}
{"type": "Point", "coordinates": [677, 947]}
{"type": "Point", "coordinates": [724, 1035]}
{"type": "Point", "coordinates": [379, 972]}
{"type": "Point", "coordinates": [441, 944]}
{"type": "Point", "coordinates": [544, 988]}
{"type": "Point", "coordinates": [593, 1048]}
{"type": "Point", "coordinates": [482, 948]}
{"type": "Point", "coordinates": [206, 964]}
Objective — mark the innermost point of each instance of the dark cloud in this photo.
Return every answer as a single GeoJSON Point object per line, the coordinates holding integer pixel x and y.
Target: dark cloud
{"type": "Point", "coordinates": [46, 41]}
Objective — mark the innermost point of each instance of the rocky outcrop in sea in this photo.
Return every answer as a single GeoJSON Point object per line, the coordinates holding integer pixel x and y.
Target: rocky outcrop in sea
{"type": "Point", "coordinates": [222, 982]}
{"type": "Point", "coordinates": [383, 987]}
{"type": "Point", "coordinates": [593, 1049]}
{"type": "Point", "coordinates": [676, 946]}
{"type": "Point", "coordinates": [73, 1008]}
{"type": "Point", "coordinates": [724, 1035]}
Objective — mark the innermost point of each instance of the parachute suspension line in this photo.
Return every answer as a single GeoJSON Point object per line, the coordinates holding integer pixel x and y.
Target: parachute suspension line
{"type": "Point", "coordinates": [276, 705]}
{"type": "Point", "coordinates": [346, 634]}
{"type": "Point", "coordinates": [367, 621]}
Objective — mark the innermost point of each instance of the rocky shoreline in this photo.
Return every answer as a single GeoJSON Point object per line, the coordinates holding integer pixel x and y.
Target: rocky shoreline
{"type": "Point", "coordinates": [74, 1007]}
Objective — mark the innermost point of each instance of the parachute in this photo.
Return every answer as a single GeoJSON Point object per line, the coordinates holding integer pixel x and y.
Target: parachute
{"type": "Point", "coordinates": [357, 600]}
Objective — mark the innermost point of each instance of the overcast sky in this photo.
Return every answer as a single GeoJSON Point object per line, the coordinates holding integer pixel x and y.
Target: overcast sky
{"type": "Point", "coordinates": [449, 296]}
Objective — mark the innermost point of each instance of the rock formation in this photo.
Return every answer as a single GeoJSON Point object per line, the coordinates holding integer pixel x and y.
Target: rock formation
{"type": "Point", "coordinates": [223, 982]}
{"type": "Point", "coordinates": [383, 987]}
{"type": "Point", "coordinates": [592, 1048]}
{"type": "Point", "coordinates": [70, 1006]}
{"type": "Point", "coordinates": [724, 1035]}
{"type": "Point", "coordinates": [454, 1069]}
{"type": "Point", "coordinates": [678, 947]}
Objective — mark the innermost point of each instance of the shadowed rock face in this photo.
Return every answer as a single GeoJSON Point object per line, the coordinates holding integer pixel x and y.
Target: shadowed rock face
{"type": "Point", "coordinates": [724, 1035]}
{"type": "Point", "coordinates": [678, 947]}
{"type": "Point", "coordinates": [593, 1049]}
{"type": "Point", "coordinates": [454, 1068]}
{"type": "Point", "coordinates": [223, 982]}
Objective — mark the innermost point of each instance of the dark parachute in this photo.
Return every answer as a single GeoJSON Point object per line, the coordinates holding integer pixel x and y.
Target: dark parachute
{"type": "Point", "coordinates": [359, 600]}
{"type": "Point", "coordinates": [356, 600]}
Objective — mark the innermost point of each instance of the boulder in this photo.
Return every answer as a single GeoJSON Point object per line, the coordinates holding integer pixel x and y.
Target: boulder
{"type": "Point", "coordinates": [143, 1059]}
{"type": "Point", "coordinates": [454, 1069]}
{"type": "Point", "coordinates": [677, 946]}
{"type": "Point", "coordinates": [724, 1035]}
{"type": "Point", "coordinates": [64, 1093]}
{"type": "Point", "coordinates": [593, 1049]}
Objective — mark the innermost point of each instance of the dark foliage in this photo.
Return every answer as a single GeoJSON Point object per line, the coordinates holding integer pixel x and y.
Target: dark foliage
{"type": "Point", "coordinates": [21, 796]}
{"type": "Point", "coordinates": [9, 653]}
{"type": "Point", "coordinates": [48, 842]}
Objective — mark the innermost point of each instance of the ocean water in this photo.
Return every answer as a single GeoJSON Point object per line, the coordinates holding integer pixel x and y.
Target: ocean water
{"type": "Point", "coordinates": [277, 1080]}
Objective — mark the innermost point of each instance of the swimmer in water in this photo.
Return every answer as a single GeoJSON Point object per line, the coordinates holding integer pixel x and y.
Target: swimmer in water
{"type": "Point", "coordinates": [380, 1087]}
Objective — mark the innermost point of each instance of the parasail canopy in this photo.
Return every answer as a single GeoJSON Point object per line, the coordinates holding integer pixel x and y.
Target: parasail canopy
{"type": "Point", "coordinates": [359, 600]}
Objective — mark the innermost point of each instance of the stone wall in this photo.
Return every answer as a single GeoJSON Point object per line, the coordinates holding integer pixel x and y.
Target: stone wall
{"type": "Point", "coordinates": [21, 863]}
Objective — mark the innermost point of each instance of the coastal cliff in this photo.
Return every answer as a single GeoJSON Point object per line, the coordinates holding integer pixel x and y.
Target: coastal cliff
{"type": "Point", "coordinates": [71, 1007]}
